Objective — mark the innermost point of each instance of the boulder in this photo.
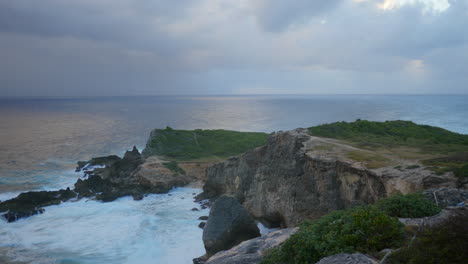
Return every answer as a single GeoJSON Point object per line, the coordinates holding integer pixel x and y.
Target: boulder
{"type": "Point", "coordinates": [253, 250]}
{"type": "Point", "coordinates": [228, 225]}
{"type": "Point", "coordinates": [345, 258]}
{"type": "Point", "coordinates": [446, 196]}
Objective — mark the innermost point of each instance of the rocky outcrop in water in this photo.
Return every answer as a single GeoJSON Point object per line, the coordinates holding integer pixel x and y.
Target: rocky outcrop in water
{"type": "Point", "coordinates": [228, 224]}
{"type": "Point", "coordinates": [292, 178]}
{"type": "Point", "coordinates": [253, 250]}
{"type": "Point", "coordinates": [31, 203]}
{"type": "Point", "coordinates": [107, 178]}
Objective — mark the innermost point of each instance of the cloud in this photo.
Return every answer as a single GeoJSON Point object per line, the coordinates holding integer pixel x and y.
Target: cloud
{"type": "Point", "coordinates": [52, 47]}
{"type": "Point", "coordinates": [276, 15]}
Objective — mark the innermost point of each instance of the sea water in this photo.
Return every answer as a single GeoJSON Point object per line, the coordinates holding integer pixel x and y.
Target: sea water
{"type": "Point", "coordinates": [42, 138]}
{"type": "Point", "coordinates": [161, 228]}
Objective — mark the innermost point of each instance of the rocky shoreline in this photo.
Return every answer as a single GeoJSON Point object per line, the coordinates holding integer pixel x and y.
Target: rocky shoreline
{"type": "Point", "coordinates": [294, 177]}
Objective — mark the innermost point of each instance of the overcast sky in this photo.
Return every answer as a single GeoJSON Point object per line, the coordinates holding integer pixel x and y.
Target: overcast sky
{"type": "Point", "coordinates": [139, 47]}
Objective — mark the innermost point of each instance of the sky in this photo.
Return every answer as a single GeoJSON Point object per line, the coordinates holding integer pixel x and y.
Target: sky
{"type": "Point", "coordinates": [156, 47]}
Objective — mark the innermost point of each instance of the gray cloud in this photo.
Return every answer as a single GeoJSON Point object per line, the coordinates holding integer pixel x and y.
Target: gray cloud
{"type": "Point", "coordinates": [275, 15]}
{"type": "Point", "coordinates": [88, 47]}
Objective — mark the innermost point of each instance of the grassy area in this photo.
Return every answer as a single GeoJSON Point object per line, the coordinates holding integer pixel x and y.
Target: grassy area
{"type": "Point", "coordinates": [394, 133]}
{"type": "Point", "coordinates": [366, 229]}
{"type": "Point", "coordinates": [201, 144]}
{"type": "Point", "coordinates": [439, 149]}
{"type": "Point", "coordinates": [371, 160]}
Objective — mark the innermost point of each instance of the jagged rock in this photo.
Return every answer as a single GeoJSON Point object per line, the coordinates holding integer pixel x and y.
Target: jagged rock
{"type": "Point", "coordinates": [203, 218]}
{"type": "Point", "coordinates": [345, 258]}
{"type": "Point", "coordinates": [444, 197]}
{"type": "Point", "coordinates": [106, 161]}
{"type": "Point", "coordinates": [31, 203]}
{"type": "Point", "coordinates": [253, 250]}
{"type": "Point", "coordinates": [228, 225]}
{"type": "Point", "coordinates": [440, 218]}
{"type": "Point", "coordinates": [202, 225]}
{"type": "Point", "coordinates": [291, 179]}
{"type": "Point", "coordinates": [195, 209]}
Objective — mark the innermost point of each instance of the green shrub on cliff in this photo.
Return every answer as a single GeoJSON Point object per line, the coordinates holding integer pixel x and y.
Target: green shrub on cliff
{"type": "Point", "coordinates": [363, 229]}
{"type": "Point", "coordinates": [408, 206]}
{"type": "Point", "coordinates": [174, 167]}
{"type": "Point", "coordinates": [201, 144]}
{"type": "Point", "coordinates": [394, 133]}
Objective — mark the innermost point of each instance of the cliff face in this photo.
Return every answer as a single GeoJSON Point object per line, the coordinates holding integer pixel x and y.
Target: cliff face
{"type": "Point", "coordinates": [297, 176]}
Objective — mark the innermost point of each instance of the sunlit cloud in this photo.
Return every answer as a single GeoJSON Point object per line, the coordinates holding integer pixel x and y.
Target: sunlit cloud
{"type": "Point", "coordinates": [428, 5]}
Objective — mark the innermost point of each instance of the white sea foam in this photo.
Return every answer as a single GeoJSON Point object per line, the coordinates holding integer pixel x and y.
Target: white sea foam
{"type": "Point", "coordinates": [159, 229]}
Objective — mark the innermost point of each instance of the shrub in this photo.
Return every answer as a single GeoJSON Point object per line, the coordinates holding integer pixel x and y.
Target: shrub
{"type": "Point", "coordinates": [444, 244]}
{"type": "Point", "coordinates": [364, 229]}
{"type": "Point", "coordinates": [174, 167]}
{"type": "Point", "coordinates": [408, 206]}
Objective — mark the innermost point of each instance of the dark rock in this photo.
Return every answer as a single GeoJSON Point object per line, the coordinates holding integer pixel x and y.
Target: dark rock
{"type": "Point", "coordinates": [204, 218]}
{"type": "Point", "coordinates": [345, 258]}
{"type": "Point", "coordinates": [228, 225]}
{"type": "Point", "coordinates": [138, 197]}
{"type": "Point", "coordinates": [252, 251]}
{"type": "Point", "coordinates": [202, 225]}
{"type": "Point", "coordinates": [106, 161]}
{"type": "Point", "coordinates": [200, 260]}
{"type": "Point", "coordinates": [31, 203]}
{"type": "Point", "coordinates": [195, 209]}
{"type": "Point", "coordinates": [444, 197]}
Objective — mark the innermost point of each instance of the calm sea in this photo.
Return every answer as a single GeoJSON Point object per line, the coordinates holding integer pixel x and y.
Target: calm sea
{"type": "Point", "coordinates": [42, 138]}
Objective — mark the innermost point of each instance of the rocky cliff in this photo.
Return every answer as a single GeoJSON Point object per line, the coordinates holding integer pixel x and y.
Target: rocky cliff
{"type": "Point", "coordinates": [297, 176]}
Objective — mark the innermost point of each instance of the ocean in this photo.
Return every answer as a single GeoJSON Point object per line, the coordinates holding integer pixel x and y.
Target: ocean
{"type": "Point", "coordinates": [41, 139]}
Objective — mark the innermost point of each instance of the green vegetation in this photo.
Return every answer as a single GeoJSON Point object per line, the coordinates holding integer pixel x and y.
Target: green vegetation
{"type": "Point", "coordinates": [408, 206]}
{"type": "Point", "coordinates": [364, 229]}
{"type": "Point", "coordinates": [446, 243]}
{"type": "Point", "coordinates": [201, 144]}
{"type": "Point", "coordinates": [412, 167]}
{"type": "Point", "coordinates": [174, 167]}
{"type": "Point", "coordinates": [393, 133]}
{"type": "Point", "coordinates": [439, 149]}
{"type": "Point", "coordinates": [371, 160]}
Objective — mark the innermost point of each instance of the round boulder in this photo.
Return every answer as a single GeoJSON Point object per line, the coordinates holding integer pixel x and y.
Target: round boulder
{"type": "Point", "coordinates": [228, 225]}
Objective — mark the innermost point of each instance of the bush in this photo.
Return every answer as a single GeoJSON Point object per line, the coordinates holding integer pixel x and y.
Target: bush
{"type": "Point", "coordinates": [364, 229]}
{"type": "Point", "coordinates": [174, 167]}
{"type": "Point", "coordinates": [407, 206]}
{"type": "Point", "coordinates": [444, 244]}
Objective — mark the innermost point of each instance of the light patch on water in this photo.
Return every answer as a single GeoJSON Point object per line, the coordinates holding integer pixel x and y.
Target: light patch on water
{"type": "Point", "coordinates": [159, 229]}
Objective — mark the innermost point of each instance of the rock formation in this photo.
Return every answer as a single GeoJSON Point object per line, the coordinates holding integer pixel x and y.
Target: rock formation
{"type": "Point", "coordinates": [293, 178]}
{"type": "Point", "coordinates": [253, 250]}
{"type": "Point", "coordinates": [345, 258]}
{"type": "Point", "coordinates": [228, 224]}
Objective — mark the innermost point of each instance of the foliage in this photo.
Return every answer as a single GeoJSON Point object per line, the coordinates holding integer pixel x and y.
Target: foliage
{"type": "Point", "coordinates": [407, 206]}
{"type": "Point", "coordinates": [411, 167]}
{"type": "Point", "coordinates": [444, 244]}
{"type": "Point", "coordinates": [199, 144]}
{"type": "Point", "coordinates": [394, 133]}
{"type": "Point", "coordinates": [174, 167]}
{"type": "Point", "coordinates": [364, 229]}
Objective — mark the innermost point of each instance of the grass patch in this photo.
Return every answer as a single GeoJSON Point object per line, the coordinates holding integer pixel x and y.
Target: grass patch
{"type": "Point", "coordinates": [407, 206]}
{"type": "Point", "coordinates": [174, 167]}
{"type": "Point", "coordinates": [412, 167]}
{"type": "Point", "coordinates": [371, 160]}
{"type": "Point", "coordinates": [201, 144]}
{"type": "Point", "coordinates": [394, 134]}
{"type": "Point", "coordinates": [363, 229]}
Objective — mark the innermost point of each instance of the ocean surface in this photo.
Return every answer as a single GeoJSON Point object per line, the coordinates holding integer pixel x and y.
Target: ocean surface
{"type": "Point", "coordinates": [42, 138]}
